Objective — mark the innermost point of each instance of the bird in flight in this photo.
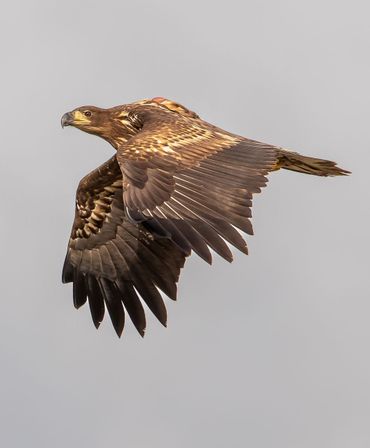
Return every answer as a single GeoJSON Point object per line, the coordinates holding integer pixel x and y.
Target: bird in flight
{"type": "Point", "coordinates": [176, 184]}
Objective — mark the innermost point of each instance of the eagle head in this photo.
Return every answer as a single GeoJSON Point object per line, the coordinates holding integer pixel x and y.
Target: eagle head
{"type": "Point", "coordinates": [115, 125]}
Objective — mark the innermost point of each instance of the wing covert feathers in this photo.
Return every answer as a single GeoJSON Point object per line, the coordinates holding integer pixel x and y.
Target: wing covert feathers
{"type": "Point", "coordinates": [194, 181]}
{"type": "Point", "coordinates": [113, 263]}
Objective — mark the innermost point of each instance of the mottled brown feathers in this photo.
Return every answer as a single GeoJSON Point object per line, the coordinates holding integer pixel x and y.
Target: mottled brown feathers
{"type": "Point", "coordinates": [177, 184]}
{"type": "Point", "coordinates": [115, 262]}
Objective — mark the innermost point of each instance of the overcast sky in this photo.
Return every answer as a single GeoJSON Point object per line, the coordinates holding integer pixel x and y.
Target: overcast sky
{"type": "Point", "coordinates": [271, 351]}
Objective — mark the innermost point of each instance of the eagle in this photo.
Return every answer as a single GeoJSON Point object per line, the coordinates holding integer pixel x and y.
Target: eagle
{"type": "Point", "coordinates": [175, 185]}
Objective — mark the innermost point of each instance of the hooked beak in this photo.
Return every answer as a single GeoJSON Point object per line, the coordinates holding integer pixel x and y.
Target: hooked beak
{"type": "Point", "coordinates": [67, 119]}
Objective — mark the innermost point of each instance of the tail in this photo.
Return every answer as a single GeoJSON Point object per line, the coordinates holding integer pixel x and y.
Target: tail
{"type": "Point", "coordinates": [308, 165]}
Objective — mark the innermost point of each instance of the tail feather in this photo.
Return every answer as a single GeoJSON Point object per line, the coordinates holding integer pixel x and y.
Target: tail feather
{"type": "Point", "coordinates": [309, 165]}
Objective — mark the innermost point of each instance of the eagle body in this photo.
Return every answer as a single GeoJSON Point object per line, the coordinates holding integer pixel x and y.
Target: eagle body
{"type": "Point", "coordinates": [176, 184]}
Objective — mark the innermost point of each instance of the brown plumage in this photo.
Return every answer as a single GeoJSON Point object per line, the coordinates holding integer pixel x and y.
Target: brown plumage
{"type": "Point", "coordinates": [176, 184]}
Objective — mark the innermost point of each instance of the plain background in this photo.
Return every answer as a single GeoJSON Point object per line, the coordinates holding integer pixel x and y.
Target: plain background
{"type": "Point", "coordinates": [271, 351]}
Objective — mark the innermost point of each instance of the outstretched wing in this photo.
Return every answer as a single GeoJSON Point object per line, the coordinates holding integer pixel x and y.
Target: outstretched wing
{"type": "Point", "coordinates": [111, 261]}
{"type": "Point", "coordinates": [193, 180]}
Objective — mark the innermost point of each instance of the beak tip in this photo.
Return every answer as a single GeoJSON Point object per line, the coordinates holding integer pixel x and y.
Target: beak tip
{"type": "Point", "coordinates": [66, 120]}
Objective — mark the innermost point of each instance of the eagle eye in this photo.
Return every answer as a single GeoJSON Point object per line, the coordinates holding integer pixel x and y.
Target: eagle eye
{"type": "Point", "coordinates": [87, 113]}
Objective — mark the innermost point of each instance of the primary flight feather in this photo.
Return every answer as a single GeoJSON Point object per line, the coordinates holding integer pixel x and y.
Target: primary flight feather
{"type": "Point", "coordinates": [176, 184]}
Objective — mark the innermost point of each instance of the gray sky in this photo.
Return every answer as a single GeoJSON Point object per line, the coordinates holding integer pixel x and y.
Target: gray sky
{"type": "Point", "coordinates": [271, 351]}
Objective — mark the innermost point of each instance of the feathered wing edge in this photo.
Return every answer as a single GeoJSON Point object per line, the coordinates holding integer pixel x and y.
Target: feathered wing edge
{"type": "Point", "coordinates": [122, 294]}
{"type": "Point", "coordinates": [116, 264]}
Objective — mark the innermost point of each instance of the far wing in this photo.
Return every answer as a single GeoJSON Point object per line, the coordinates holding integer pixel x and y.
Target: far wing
{"type": "Point", "coordinates": [194, 180]}
{"type": "Point", "coordinates": [112, 261]}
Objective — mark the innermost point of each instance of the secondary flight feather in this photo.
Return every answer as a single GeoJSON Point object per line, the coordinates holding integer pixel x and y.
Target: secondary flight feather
{"type": "Point", "coordinates": [176, 184]}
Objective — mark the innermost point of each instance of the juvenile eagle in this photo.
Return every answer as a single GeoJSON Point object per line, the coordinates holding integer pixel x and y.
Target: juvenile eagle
{"type": "Point", "coordinates": [176, 184]}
